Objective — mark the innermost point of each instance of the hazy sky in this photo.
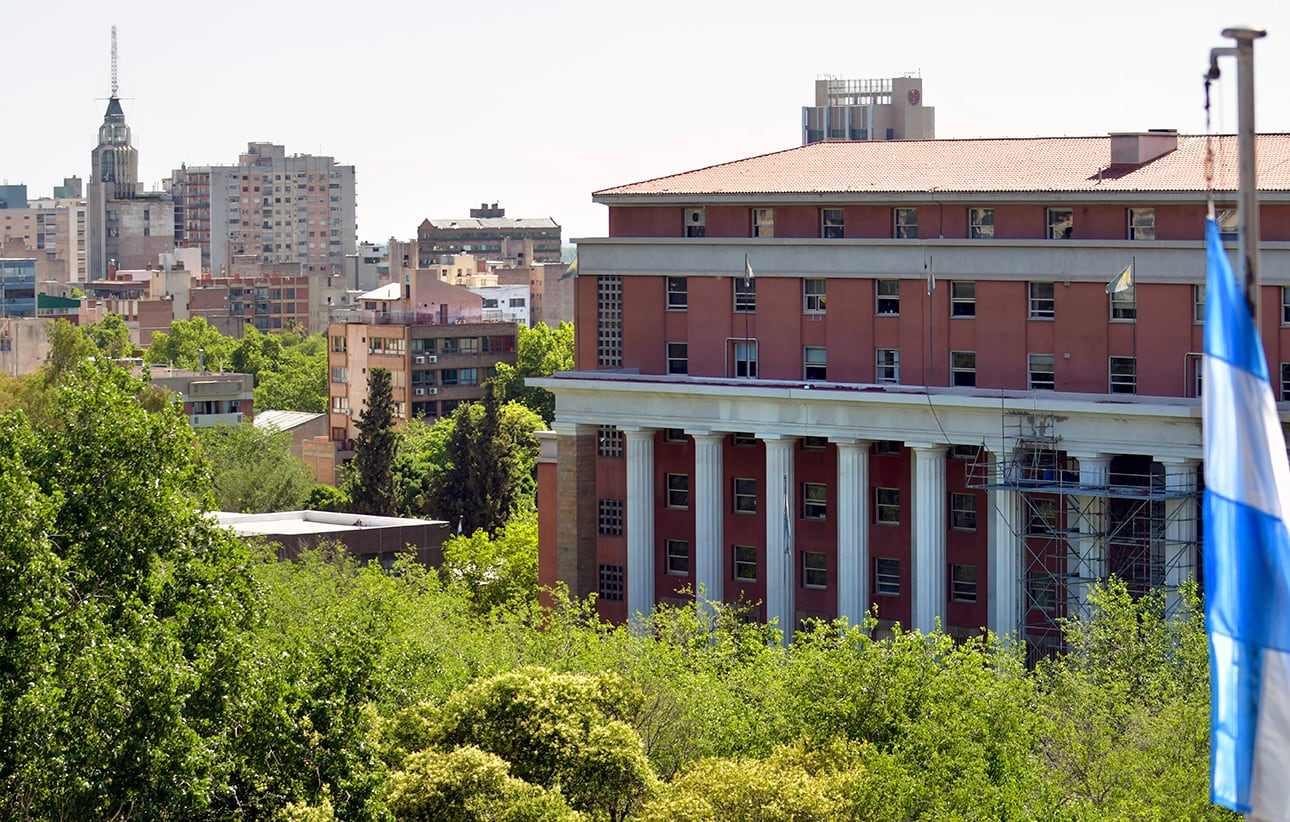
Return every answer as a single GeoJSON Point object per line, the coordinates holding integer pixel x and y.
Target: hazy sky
{"type": "Point", "coordinates": [443, 105]}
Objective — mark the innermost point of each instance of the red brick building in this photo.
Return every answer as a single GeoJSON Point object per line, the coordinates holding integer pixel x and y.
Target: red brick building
{"type": "Point", "coordinates": [833, 434]}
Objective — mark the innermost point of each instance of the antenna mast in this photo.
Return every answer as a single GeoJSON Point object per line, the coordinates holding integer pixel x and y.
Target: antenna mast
{"type": "Point", "coordinates": [114, 86]}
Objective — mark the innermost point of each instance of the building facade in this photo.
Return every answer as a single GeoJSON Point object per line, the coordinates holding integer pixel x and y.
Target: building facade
{"type": "Point", "coordinates": [210, 398]}
{"type": "Point", "coordinates": [490, 235]}
{"type": "Point", "coordinates": [274, 207]}
{"type": "Point", "coordinates": [918, 396]}
{"type": "Point", "coordinates": [886, 109]}
{"type": "Point", "coordinates": [51, 230]}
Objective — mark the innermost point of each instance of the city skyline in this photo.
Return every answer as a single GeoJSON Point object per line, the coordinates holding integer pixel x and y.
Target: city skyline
{"type": "Point", "coordinates": [440, 109]}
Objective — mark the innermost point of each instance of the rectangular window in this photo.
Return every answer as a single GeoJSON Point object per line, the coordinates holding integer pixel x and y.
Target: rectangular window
{"type": "Point", "coordinates": [1198, 304]}
{"type": "Point", "coordinates": [815, 443]}
{"type": "Point", "coordinates": [746, 359]}
{"type": "Point", "coordinates": [962, 299]}
{"type": "Point", "coordinates": [678, 557]}
{"type": "Point", "coordinates": [678, 358]}
{"type": "Point", "coordinates": [980, 223]}
{"type": "Point", "coordinates": [1061, 223]}
{"type": "Point", "coordinates": [743, 440]}
{"type": "Point", "coordinates": [611, 517]}
{"type": "Point", "coordinates": [745, 563]}
{"type": "Point", "coordinates": [813, 295]}
{"type": "Point", "coordinates": [339, 374]}
{"type": "Point", "coordinates": [678, 490]}
{"type": "Point", "coordinates": [468, 376]}
{"type": "Point", "coordinates": [1043, 515]}
{"type": "Point", "coordinates": [1142, 224]}
{"type": "Point", "coordinates": [745, 496]}
{"type": "Point", "coordinates": [339, 345]}
{"type": "Point", "coordinates": [814, 363]}
{"type": "Point", "coordinates": [1285, 305]}
{"type": "Point", "coordinates": [963, 583]}
{"type": "Point", "coordinates": [1285, 382]}
{"type": "Point", "coordinates": [888, 365]}
{"type": "Point", "coordinates": [1041, 591]}
{"type": "Point", "coordinates": [1042, 372]}
{"type": "Point", "coordinates": [886, 577]}
{"type": "Point", "coordinates": [695, 218]}
{"type": "Point", "coordinates": [609, 321]}
{"type": "Point", "coordinates": [745, 294]}
{"type": "Point", "coordinates": [675, 435]}
{"type": "Point", "coordinates": [609, 443]}
{"type": "Point", "coordinates": [468, 345]}
{"type": "Point", "coordinates": [1124, 375]}
{"type": "Point", "coordinates": [1043, 301]}
{"type": "Point", "coordinates": [963, 511]}
{"type": "Point", "coordinates": [815, 570]}
{"type": "Point", "coordinates": [963, 368]}
{"type": "Point", "coordinates": [906, 223]}
{"type": "Point", "coordinates": [888, 297]}
{"type": "Point", "coordinates": [763, 222]}
{"type": "Point", "coordinates": [886, 509]}
{"type": "Point", "coordinates": [1124, 305]}
{"type": "Point", "coordinates": [678, 295]}
{"type": "Point", "coordinates": [611, 583]}
{"type": "Point", "coordinates": [815, 500]}
{"type": "Point", "coordinates": [831, 223]}
{"type": "Point", "coordinates": [886, 448]}
{"type": "Point", "coordinates": [1229, 223]}
{"type": "Point", "coordinates": [448, 376]}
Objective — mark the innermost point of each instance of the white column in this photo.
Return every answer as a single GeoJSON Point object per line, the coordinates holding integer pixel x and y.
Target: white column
{"type": "Point", "coordinates": [1006, 578]}
{"type": "Point", "coordinates": [640, 523]}
{"type": "Point", "coordinates": [781, 558]}
{"type": "Point", "coordinates": [709, 510]}
{"type": "Point", "coordinates": [927, 532]}
{"type": "Point", "coordinates": [1180, 528]}
{"type": "Point", "coordinates": [853, 529]}
{"type": "Point", "coordinates": [1087, 557]}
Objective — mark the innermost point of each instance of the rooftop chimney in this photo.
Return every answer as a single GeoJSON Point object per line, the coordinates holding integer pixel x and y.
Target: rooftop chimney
{"type": "Point", "coordinates": [1137, 147]}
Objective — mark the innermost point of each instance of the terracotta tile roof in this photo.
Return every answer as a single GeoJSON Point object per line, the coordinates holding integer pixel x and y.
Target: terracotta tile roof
{"type": "Point", "coordinates": [1044, 164]}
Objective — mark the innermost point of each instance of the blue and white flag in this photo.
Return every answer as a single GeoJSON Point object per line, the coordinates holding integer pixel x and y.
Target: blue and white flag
{"type": "Point", "coordinates": [1247, 556]}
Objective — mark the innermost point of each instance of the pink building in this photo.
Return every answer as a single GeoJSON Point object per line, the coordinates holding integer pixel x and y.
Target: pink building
{"type": "Point", "coordinates": [831, 435]}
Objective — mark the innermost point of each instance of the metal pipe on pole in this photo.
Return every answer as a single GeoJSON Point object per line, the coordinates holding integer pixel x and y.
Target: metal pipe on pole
{"type": "Point", "coordinates": [1248, 203]}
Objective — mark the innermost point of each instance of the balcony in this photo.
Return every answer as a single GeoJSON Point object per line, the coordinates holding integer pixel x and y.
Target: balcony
{"type": "Point", "coordinates": [355, 315]}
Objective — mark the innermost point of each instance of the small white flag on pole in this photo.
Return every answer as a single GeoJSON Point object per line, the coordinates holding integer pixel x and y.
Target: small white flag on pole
{"type": "Point", "coordinates": [748, 272]}
{"type": "Point", "coordinates": [1122, 281]}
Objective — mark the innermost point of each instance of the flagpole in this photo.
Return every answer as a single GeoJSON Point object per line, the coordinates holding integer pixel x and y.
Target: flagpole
{"type": "Point", "coordinates": [1248, 215]}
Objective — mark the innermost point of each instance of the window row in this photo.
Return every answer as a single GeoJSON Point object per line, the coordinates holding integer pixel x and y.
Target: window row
{"type": "Point", "coordinates": [1059, 223]}
{"type": "Point", "coordinates": [962, 579]}
{"type": "Point", "coordinates": [1041, 369]}
{"type": "Point", "coordinates": [1041, 298]}
{"type": "Point", "coordinates": [814, 503]}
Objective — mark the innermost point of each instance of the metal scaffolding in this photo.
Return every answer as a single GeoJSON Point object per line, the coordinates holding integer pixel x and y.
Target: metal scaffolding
{"type": "Point", "coordinates": [1078, 525]}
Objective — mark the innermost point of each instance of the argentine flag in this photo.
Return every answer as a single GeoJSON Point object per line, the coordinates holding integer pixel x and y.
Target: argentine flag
{"type": "Point", "coordinates": [1247, 556]}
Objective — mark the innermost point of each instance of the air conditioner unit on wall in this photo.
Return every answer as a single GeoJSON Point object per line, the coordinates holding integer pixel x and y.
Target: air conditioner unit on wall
{"type": "Point", "coordinates": [420, 392]}
{"type": "Point", "coordinates": [419, 360]}
{"type": "Point", "coordinates": [432, 358]}
{"type": "Point", "coordinates": [432, 391]}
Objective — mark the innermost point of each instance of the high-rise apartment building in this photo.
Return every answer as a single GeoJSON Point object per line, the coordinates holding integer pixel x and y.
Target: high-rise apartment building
{"type": "Point", "coordinates": [52, 230]}
{"type": "Point", "coordinates": [270, 206]}
{"type": "Point", "coordinates": [957, 382]}
{"type": "Point", "coordinates": [886, 109]}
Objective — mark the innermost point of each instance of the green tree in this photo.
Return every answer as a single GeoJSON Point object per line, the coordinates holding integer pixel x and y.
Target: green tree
{"type": "Point", "coordinates": [295, 381]}
{"type": "Point", "coordinates": [541, 351]}
{"type": "Point", "coordinates": [124, 610]}
{"type": "Point", "coordinates": [68, 346]}
{"type": "Point", "coordinates": [470, 785]}
{"type": "Point", "coordinates": [253, 469]}
{"type": "Point", "coordinates": [191, 344]}
{"type": "Point", "coordinates": [499, 570]}
{"type": "Point", "coordinates": [491, 455]}
{"type": "Point", "coordinates": [372, 489]}
{"type": "Point", "coordinates": [111, 336]}
{"type": "Point", "coordinates": [556, 729]}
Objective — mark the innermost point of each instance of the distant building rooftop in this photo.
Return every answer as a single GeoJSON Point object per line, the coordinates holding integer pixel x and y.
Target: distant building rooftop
{"type": "Point", "coordinates": [368, 538]}
{"type": "Point", "coordinates": [284, 420]}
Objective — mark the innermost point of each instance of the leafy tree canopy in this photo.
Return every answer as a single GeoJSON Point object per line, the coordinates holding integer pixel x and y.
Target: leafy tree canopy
{"type": "Point", "coordinates": [253, 469]}
{"type": "Point", "coordinates": [541, 352]}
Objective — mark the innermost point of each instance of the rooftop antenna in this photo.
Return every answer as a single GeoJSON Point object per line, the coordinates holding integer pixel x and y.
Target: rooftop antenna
{"type": "Point", "coordinates": [114, 83]}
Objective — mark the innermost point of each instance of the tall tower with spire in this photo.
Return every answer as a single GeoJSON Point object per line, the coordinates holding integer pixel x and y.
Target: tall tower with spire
{"type": "Point", "coordinates": [114, 162]}
{"type": "Point", "coordinates": [128, 229]}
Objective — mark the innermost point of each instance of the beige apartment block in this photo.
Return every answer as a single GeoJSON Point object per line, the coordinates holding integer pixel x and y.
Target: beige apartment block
{"type": "Point", "coordinates": [883, 109]}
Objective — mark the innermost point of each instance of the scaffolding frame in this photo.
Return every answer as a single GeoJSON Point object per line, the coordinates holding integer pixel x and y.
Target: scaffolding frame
{"type": "Point", "coordinates": [1137, 523]}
